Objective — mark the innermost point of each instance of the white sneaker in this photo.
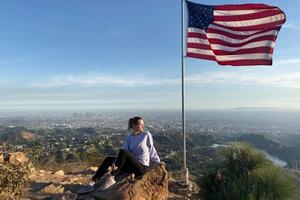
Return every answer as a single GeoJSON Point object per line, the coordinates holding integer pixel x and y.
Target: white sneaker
{"type": "Point", "coordinates": [110, 180]}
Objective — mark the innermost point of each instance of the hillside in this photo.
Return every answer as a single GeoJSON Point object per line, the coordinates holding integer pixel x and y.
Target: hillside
{"type": "Point", "coordinates": [17, 135]}
{"type": "Point", "coordinates": [290, 154]}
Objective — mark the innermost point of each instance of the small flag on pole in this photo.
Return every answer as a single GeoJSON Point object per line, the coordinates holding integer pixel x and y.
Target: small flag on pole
{"type": "Point", "coordinates": [233, 34]}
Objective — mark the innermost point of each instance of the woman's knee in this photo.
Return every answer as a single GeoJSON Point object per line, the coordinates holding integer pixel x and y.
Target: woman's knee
{"type": "Point", "coordinates": [109, 160]}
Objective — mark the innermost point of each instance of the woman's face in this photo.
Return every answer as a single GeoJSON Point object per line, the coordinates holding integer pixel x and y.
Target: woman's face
{"type": "Point", "coordinates": [139, 126]}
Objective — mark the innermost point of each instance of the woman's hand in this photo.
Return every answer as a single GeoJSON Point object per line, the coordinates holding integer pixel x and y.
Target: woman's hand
{"type": "Point", "coordinates": [114, 167]}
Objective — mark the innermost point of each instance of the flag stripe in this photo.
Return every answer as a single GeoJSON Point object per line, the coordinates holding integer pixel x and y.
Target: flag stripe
{"type": "Point", "coordinates": [218, 29]}
{"type": "Point", "coordinates": [225, 43]}
{"type": "Point", "coordinates": [212, 33]}
{"type": "Point", "coordinates": [231, 62]}
{"type": "Point", "coordinates": [245, 51]}
{"type": "Point", "coordinates": [252, 56]}
{"type": "Point", "coordinates": [201, 51]}
{"type": "Point", "coordinates": [236, 40]}
{"type": "Point", "coordinates": [246, 33]}
{"type": "Point", "coordinates": [235, 36]}
{"type": "Point", "coordinates": [218, 46]}
{"type": "Point", "coordinates": [196, 30]}
{"type": "Point", "coordinates": [194, 48]}
{"type": "Point", "coordinates": [201, 56]}
{"type": "Point", "coordinates": [248, 56]}
{"type": "Point", "coordinates": [261, 49]}
{"type": "Point", "coordinates": [244, 7]}
{"type": "Point", "coordinates": [197, 35]}
{"type": "Point", "coordinates": [220, 39]}
{"type": "Point", "coordinates": [252, 22]}
{"type": "Point", "coordinates": [236, 12]}
{"type": "Point", "coordinates": [216, 43]}
{"type": "Point", "coordinates": [265, 13]}
{"type": "Point", "coordinates": [255, 27]}
{"type": "Point", "coordinates": [198, 40]}
{"type": "Point", "coordinates": [199, 46]}
{"type": "Point", "coordinates": [245, 62]}
{"type": "Point", "coordinates": [247, 46]}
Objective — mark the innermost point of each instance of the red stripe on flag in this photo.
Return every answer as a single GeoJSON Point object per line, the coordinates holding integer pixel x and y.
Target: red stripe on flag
{"type": "Point", "coordinates": [253, 28]}
{"type": "Point", "coordinates": [246, 62]}
{"type": "Point", "coordinates": [201, 56]}
{"type": "Point", "coordinates": [245, 51]}
{"type": "Point", "coordinates": [225, 43]}
{"type": "Point", "coordinates": [198, 46]}
{"type": "Point", "coordinates": [196, 35]}
{"type": "Point", "coordinates": [258, 15]}
{"type": "Point", "coordinates": [243, 7]}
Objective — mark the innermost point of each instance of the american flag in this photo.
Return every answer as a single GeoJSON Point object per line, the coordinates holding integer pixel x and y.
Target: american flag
{"type": "Point", "coordinates": [233, 34]}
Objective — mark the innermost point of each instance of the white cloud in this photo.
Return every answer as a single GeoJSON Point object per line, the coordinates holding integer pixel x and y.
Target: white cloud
{"type": "Point", "coordinates": [55, 93]}
{"type": "Point", "coordinates": [239, 77]}
{"type": "Point", "coordinates": [104, 81]}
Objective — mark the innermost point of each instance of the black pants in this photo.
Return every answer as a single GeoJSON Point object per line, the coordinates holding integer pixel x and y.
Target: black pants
{"type": "Point", "coordinates": [125, 163]}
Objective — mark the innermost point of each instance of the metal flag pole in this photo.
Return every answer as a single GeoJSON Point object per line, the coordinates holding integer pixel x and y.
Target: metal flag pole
{"type": "Point", "coordinates": [184, 169]}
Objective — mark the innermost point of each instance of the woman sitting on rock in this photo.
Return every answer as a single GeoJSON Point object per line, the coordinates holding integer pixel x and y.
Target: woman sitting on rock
{"type": "Point", "coordinates": [137, 155]}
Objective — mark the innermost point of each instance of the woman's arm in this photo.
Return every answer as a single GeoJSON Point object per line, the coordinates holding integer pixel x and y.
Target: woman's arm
{"type": "Point", "coordinates": [152, 151]}
{"type": "Point", "coordinates": [126, 143]}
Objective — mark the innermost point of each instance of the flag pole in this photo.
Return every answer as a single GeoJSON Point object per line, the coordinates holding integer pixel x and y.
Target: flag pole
{"type": "Point", "coordinates": [184, 169]}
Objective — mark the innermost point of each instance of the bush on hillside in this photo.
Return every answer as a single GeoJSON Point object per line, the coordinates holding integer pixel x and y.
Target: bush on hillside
{"type": "Point", "coordinates": [244, 173]}
{"type": "Point", "coordinates": [13, 180]}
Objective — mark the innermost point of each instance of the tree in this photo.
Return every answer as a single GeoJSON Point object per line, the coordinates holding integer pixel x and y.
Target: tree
{"type": "Point", "coordinates": [244, 173]}
{"type": "Point", "coordinates": [60, 156]}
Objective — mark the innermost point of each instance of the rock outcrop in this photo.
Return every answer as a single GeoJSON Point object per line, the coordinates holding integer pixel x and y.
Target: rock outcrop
{"type": "Point", "coordinates": [156, 184]}
{"type": "Point", "coordinates": [59, 173]}
{"type": "Point", "coordinates": [45, 184]}
{"type": "Point", "coordinates": [17, 158]}
{"type": "Point", "coordinates": [153, 185]}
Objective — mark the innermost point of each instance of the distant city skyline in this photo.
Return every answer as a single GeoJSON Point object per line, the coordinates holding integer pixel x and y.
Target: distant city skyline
{"type": "Point", "coordinates": [125, 55]}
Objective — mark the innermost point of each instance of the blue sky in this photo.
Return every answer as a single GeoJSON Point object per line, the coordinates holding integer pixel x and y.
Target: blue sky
{"type": "Point", "coordinates": [110, 55]}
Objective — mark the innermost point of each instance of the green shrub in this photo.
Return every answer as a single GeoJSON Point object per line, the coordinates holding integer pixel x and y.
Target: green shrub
{"type": "Point", "coordinates": [271, 183]}
{"type": "Point", "coordinates": [13, 180]}
{"type": "Point", "coordinates": [244, 173]}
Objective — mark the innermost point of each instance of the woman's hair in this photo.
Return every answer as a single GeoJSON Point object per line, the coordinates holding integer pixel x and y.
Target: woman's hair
{"type": "Point", "coordinates": [133, 121]}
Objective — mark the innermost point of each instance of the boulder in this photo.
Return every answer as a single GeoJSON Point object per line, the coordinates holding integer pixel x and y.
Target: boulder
{"type": "Point", "coordinates": [94, 169]}
{"type": "Point", "coordinates": [17, 158]}
{"type": "Point", "coordinates": [53, 189]}
{"type": "Point", "coordinates": [60, 173]}
{"type": "Point", "coordinates": [153, 185]}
